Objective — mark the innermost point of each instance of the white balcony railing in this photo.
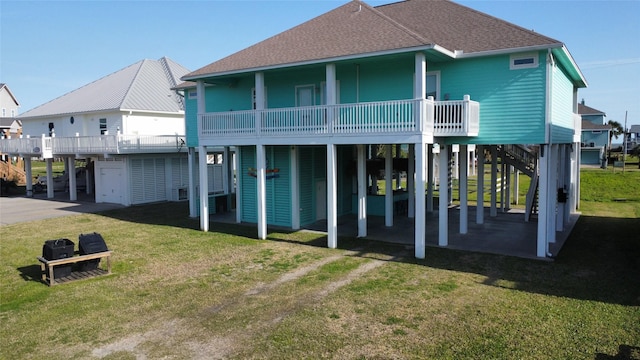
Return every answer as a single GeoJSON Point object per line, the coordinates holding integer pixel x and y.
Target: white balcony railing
{"type": "Point", "coordinates": [88, 145]}
{"type": "Point", "coordinates": [457, 118]}
{"type": "Point", "coordinates": [440, 118]}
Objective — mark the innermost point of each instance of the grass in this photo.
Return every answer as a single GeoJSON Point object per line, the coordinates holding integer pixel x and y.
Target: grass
{"type": "Point", "coordinates": [180, 293]}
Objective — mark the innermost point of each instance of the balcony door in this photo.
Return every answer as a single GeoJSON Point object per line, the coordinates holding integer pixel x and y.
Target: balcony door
{"type": "Point", "coordinates": [305, 95]}
{"type": "Point", "coordinates": [433, 84]}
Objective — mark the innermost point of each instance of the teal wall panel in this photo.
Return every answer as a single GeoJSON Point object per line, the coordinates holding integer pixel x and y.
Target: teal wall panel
{"type": "Point", "coordinates": [512, 102]}
{"type": "Point", "coordinates": [561, 108]}
{"type": "Point", "coordinates": [248, 184]}
{"type": "Point", "coordinates": [597, 137]}
{"type": "Point", "coordinates": [278, 186]}
{"type": "Point", "coordinates": [306, 187]}
{"type": "Point", "coordinates": [191, 121]}
{"type": "Point", "coordinates": [386, 80]}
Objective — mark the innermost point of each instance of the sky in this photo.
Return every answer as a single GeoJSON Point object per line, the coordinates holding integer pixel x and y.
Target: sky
{"type": "Point", "coordinates": [49, 48]}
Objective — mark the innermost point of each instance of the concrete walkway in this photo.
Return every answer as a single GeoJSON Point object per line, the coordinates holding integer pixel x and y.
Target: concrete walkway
{"type": "Point", "coordinates": [19, 208]}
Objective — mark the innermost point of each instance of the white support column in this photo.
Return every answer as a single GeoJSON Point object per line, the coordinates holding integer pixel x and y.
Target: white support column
{"type": "Point", "coordinates": [502, 185]}
{"type": "Point", "coordinates": [88, 177]}
{"type": "Point", "coordinates": [561, 163]}
{"type": "Point", "coordinates": [71, 171]}
{"type": "Point", "coordinates": [480, 183]}
{"type": "Point", "coordinates": [543, 199]}
{"type": "Point", "coordinates": [464, 206]}
{"type": "Point", "coordinates": [362, 190]}
{"type": "Point", "coordinates": [420, 216]}
{"type": "Point", "coordinates": [330, 71]}
{"type": "Point", "coordinates": [507, 194]}
{"type": "Point", "coordinates": [49, 178]}
{"type": "Point", "coordinates": [429, 174]}
{"type": "Point", "coordinates": [443, 204]}
{"type": "Point", "coordinates": [261, 173]}
{"type": "Point", "coordinates": [260, 99]}
{"type": "Point", "coordinates": [411, 187]}
{"type": "Point", "coordinates": [388, 194]}
{"type": "Point", "coordinates": [493, 212]}
{"type": "Point", "coordinates": [29, 176]}
{"type": "Point", "coordinates": [204, 188]}
{"type": "Point", "coordinates": [295, 190]}
{"type": "Point", "coordinates": [420, 81]}
{"type": "Point", "coordinates": [200, 102]}
{"type": "Point", "coordinates": [516, 186]}
{"type": "Point", "coordinates": [332, 197]}
{"type": "Point", "coordinates": [191, 192]}
{"type": "Point", "coordinates": [552, 200]}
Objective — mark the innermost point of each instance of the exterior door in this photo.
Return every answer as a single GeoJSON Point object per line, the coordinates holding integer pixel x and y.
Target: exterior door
{"type": "Point", "coordinates": [110, 191]}
{"type": "Point", "coordinates": [305, 95]}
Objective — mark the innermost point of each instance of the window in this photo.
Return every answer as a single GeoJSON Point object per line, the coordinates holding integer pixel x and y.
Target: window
{"type": "Point", "coordinates": [13, 113]}
{"type": "Point", "coordinates": [192, 94]}
{"type": "Point", "coordinates": [4, 112]}
{"type": "Point", "coordinates": [596, 131]}
{"type": "Point", "coordinates": [103, 126]}
{"type": "Point", "coordinates": [523, 61]}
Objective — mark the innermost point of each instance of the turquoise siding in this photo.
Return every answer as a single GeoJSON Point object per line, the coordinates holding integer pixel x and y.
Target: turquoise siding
{"type": "Point", "coordinates": [597, 137]}
{"type": "Point", "coordinates": [277, 185]}
{"type": "Point", "coordinates": [512, 102]}
{"type": "Point", "coordinates": [248, 184]}
{"type": "Point", "coordinates": [561, 108]}
{"type": "Point", "coordinates": [346, 178]}
{"type": "Point", "coordinates": [306, 184]}
{"type": "Point", "coordinates": [191, 120]}
{"type": "Point", "coordinates": [385, 80]}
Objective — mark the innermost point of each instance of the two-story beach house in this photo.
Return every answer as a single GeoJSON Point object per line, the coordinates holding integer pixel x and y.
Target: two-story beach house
{"type": "Point", "coordinates": [127, 129]}
{"type": "Point", "coordinates": [301, 112]}
{"type": "Point", "coordinates": [595, 137]}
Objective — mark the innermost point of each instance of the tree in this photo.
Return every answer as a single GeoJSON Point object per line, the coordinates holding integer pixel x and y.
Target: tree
{"type": "Point", "coordinates": [616, 130]}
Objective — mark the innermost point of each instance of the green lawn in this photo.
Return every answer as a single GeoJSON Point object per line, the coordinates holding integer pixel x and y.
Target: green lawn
{"type": "Point", "coordinates": [179, 293]}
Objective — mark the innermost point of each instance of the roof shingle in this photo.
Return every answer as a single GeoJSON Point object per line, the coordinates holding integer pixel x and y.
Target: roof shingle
{"type": "Point", "coordinates": [356, 28]}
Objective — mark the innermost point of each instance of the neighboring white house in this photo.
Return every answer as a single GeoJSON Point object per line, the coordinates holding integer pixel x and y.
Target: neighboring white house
{"type": "Point", "coordinates": [128, 127]}
{"type": "Point", "coordinates": [9, 124]}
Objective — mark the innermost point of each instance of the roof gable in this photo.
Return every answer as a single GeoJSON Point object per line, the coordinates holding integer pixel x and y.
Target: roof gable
{"type": "Point", "coordinates": [144, 86]}
{"type": "Point", "coordinates": [353, 28]}
{"type": "Point", "coordinates": [586, 110]}
{"type": "Point", "coordinates": [457, 27]}
{"type": "Point", "coordinates": [356, 28]}
{"type": "Point", "coordinates": [4, 87]}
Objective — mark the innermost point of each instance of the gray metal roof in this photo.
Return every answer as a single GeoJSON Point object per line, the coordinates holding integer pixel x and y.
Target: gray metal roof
{"type": "Point", "coordinates": [143, 86]}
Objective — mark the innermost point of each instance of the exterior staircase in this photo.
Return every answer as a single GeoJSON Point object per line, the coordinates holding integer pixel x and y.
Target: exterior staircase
{"type": "Point", "coordinates": [525, 160]}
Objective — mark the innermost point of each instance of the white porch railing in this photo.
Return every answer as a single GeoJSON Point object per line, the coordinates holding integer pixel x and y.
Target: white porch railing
{"type": "Point", "coordinates": [451, 118]}
{"type": "Point", "coordinates": [48, 147]}
{"type": "Point", "coordinates": [457, 118]}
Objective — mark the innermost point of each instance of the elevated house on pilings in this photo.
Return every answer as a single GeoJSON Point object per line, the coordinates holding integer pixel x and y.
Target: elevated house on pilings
{"type": "Point", "coordinates": [126, 128]}
{"type": "Point", "coordinates": [301, 109]}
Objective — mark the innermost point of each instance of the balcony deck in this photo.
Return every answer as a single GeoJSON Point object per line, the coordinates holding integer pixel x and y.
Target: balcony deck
{"type": "Point", "coordinates": [384, 118]}
{"type": "Point", "coordinates": [48, 147]}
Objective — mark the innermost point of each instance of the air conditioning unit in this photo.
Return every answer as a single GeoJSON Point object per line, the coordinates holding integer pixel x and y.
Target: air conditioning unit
{"type": "Point", "coordinates": [179, 194]}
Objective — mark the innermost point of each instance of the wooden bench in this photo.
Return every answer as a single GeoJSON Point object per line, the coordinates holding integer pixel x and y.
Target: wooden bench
{"type": "Point", "coordinates": [48, 265]}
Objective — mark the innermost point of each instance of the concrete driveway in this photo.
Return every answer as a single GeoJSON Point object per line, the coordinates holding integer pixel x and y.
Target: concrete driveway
{"type": "Point", "coordinates": [16, 209]}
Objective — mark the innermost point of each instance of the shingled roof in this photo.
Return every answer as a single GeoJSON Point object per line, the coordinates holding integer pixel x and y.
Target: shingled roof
{"type": "Point", "coordinates": [356, 28]}
{"type": "Point", "coordinates": [143, 86]}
